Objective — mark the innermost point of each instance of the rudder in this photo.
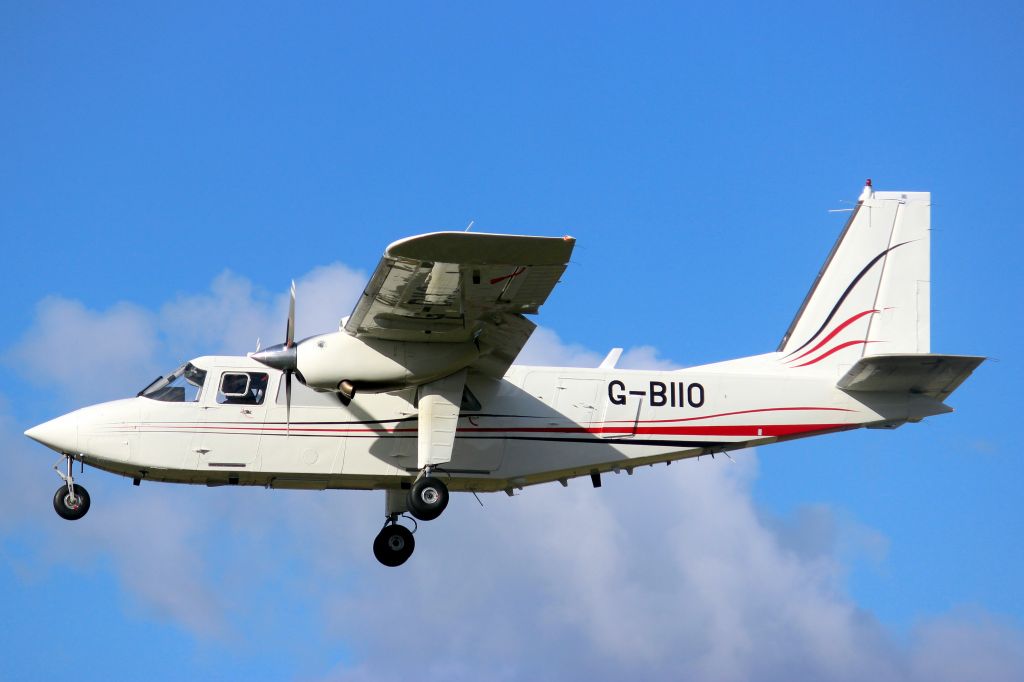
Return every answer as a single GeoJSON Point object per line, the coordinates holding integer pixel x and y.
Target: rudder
{"type": "Point", "coordinates": [872, 295]}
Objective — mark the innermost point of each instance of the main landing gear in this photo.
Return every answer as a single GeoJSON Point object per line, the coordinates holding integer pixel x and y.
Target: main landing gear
{"type": "Point", "coordinates": [428, 497]}
{"type": "Point", "coordinates": [394, 543]}
{"type": "Point", "coordinates": [425, 501]}
{"type": "Point", "coordinates": [71, 501]}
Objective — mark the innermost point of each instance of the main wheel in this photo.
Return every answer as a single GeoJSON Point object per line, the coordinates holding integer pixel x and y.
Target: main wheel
{"type": "Point", "coordinates": [71, 507]}
{"type": "Point", "coordinates": [393, 545]}
{"type": "Point", "coordinates": [428, 498]}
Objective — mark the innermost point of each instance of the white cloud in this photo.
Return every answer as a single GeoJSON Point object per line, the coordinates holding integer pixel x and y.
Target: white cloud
{"type": "Point", "coordinates": [86, 354]}
{"type": "Point", "coordinates": [234, 314]}
{"type": "Point", "coordinates": [546, 348]}
{"type": "Point", "coordinates": [671, 573]}
{"type": "Point", "coordinates": [159, 551]}
{"type": "Point", "coordinates": [967, 646]}
{"type": "Point", "coordinates": [24, 490]}
{"type": "Point", "coordinates": [645, 357]}
{"type": "Point", "coordinates": [228, 318]}
{"type": "Point", "coordinates": [325, 295]}
{"type": "Point", "coordinates": [91, 355]}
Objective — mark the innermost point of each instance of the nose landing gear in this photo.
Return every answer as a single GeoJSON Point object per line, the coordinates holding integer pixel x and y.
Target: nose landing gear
{"type": "Point", "coordinates": [71, 501]}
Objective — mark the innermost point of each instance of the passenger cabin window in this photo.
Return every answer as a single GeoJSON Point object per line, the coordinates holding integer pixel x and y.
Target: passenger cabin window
{"type": "Point", "coordinates": [242, 388]}
{"type": "Point", "coordinates": [183, 385]}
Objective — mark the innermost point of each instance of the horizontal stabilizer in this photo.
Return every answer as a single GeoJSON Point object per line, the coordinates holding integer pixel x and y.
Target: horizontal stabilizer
{"type": "Point", "coordinates": [918, 373]}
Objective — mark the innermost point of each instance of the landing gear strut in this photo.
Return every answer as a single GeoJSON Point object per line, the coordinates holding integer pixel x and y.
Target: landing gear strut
{"type": "Point", "coordinates": [71, 501]}
{"type": "Point", "coordinates": [428, 497]}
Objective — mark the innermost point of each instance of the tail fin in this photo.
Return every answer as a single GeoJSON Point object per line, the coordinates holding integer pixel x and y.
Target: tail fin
{"type": "Point", "coordinates": [872, 295]}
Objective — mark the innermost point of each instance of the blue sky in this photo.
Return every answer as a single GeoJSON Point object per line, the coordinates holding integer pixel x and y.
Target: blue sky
{"type": "Point", "coordinates": [167, 170]}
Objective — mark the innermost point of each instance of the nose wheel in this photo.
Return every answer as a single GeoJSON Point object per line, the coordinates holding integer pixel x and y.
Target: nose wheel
{"type": "Point", "coordinates": [71, 501]}
{"type": "Point", "coordinates": [394, 544]}
{"type": "Point", "coordinates": [71, 504]}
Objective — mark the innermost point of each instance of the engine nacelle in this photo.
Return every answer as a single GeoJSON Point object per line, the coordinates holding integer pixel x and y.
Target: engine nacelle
{"type": "Point", "coordinates": [373, 365]}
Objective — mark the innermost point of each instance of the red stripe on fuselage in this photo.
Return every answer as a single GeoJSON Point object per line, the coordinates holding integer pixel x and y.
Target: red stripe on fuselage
{"type": "Point", "coordinates": [725, 414]}
{"type": "Point", "coordinates": [745, 430]}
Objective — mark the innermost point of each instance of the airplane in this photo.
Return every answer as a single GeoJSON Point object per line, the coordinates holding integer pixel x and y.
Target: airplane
{"type": "Point", "coordinates": [416, 393]}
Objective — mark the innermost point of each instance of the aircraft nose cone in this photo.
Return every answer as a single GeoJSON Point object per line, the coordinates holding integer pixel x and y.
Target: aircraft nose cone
{"type": "Point", "coordinates": [60, 434]}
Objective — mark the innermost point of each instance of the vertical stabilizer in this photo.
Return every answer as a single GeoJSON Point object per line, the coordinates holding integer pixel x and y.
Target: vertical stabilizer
{"type": "Point", "coordinates": [872, 295]}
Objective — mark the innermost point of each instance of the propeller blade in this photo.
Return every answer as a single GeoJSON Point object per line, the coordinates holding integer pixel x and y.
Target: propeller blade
{"type": "Point", "coordinates": [283, 357]}
{"type": "Point", "coordinates": [288, 403]}
{"type": "Point", "coordinates": [289, 334]}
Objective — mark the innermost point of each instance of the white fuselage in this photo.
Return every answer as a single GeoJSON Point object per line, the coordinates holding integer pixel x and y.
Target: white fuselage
{"type": "Point", "coordinates": [537, 424]}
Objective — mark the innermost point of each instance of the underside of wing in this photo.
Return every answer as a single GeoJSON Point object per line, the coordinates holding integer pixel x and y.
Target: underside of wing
{"type": "Point", "coordinates": [458, 286]}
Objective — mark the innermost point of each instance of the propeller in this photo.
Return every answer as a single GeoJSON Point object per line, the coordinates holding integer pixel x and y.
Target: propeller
{"type": "Point", "coordinates": [284, 357]}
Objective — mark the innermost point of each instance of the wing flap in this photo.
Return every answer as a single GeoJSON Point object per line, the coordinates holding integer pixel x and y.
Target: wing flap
{"type": "Point", "coordinates": [918, 373]}
{"type": "Point", "coordinates": [500, 342]}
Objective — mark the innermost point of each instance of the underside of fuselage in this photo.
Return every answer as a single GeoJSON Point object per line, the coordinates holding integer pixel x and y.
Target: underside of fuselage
{"type": "Point", "coordinates": [456, 480]}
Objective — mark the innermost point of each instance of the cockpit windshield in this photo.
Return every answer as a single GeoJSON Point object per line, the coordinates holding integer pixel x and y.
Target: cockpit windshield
{"type": "Point", "coordinates": [183, 385]}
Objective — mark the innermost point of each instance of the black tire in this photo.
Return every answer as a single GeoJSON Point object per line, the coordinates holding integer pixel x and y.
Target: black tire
{"type": "Point", "coordinates": [428, 498]}
{"type": "Point", "coordinates": [68, 508]}
{"type": "Point", "coordinates": [393, 545]}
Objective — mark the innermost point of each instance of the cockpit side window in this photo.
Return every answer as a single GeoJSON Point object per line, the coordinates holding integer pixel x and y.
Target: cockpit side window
{"type": "Point", "coordinates": [183, 385]}
{"type": "Point", "coordinates": [242, 388]}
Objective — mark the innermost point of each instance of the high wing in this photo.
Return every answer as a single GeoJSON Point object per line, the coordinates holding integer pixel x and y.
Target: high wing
{"type": "Point", "coordinates": [447, 287]}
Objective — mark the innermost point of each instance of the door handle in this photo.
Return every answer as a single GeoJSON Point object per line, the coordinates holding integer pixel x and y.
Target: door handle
{"type": "Point", "coordinates": [201, 451]}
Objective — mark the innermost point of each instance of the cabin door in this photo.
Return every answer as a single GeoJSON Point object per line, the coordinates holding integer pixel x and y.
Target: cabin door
{"type": "Point", "coordinates": [579, 401]}
{"type": "Point", "coordinates": [233, 415]}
